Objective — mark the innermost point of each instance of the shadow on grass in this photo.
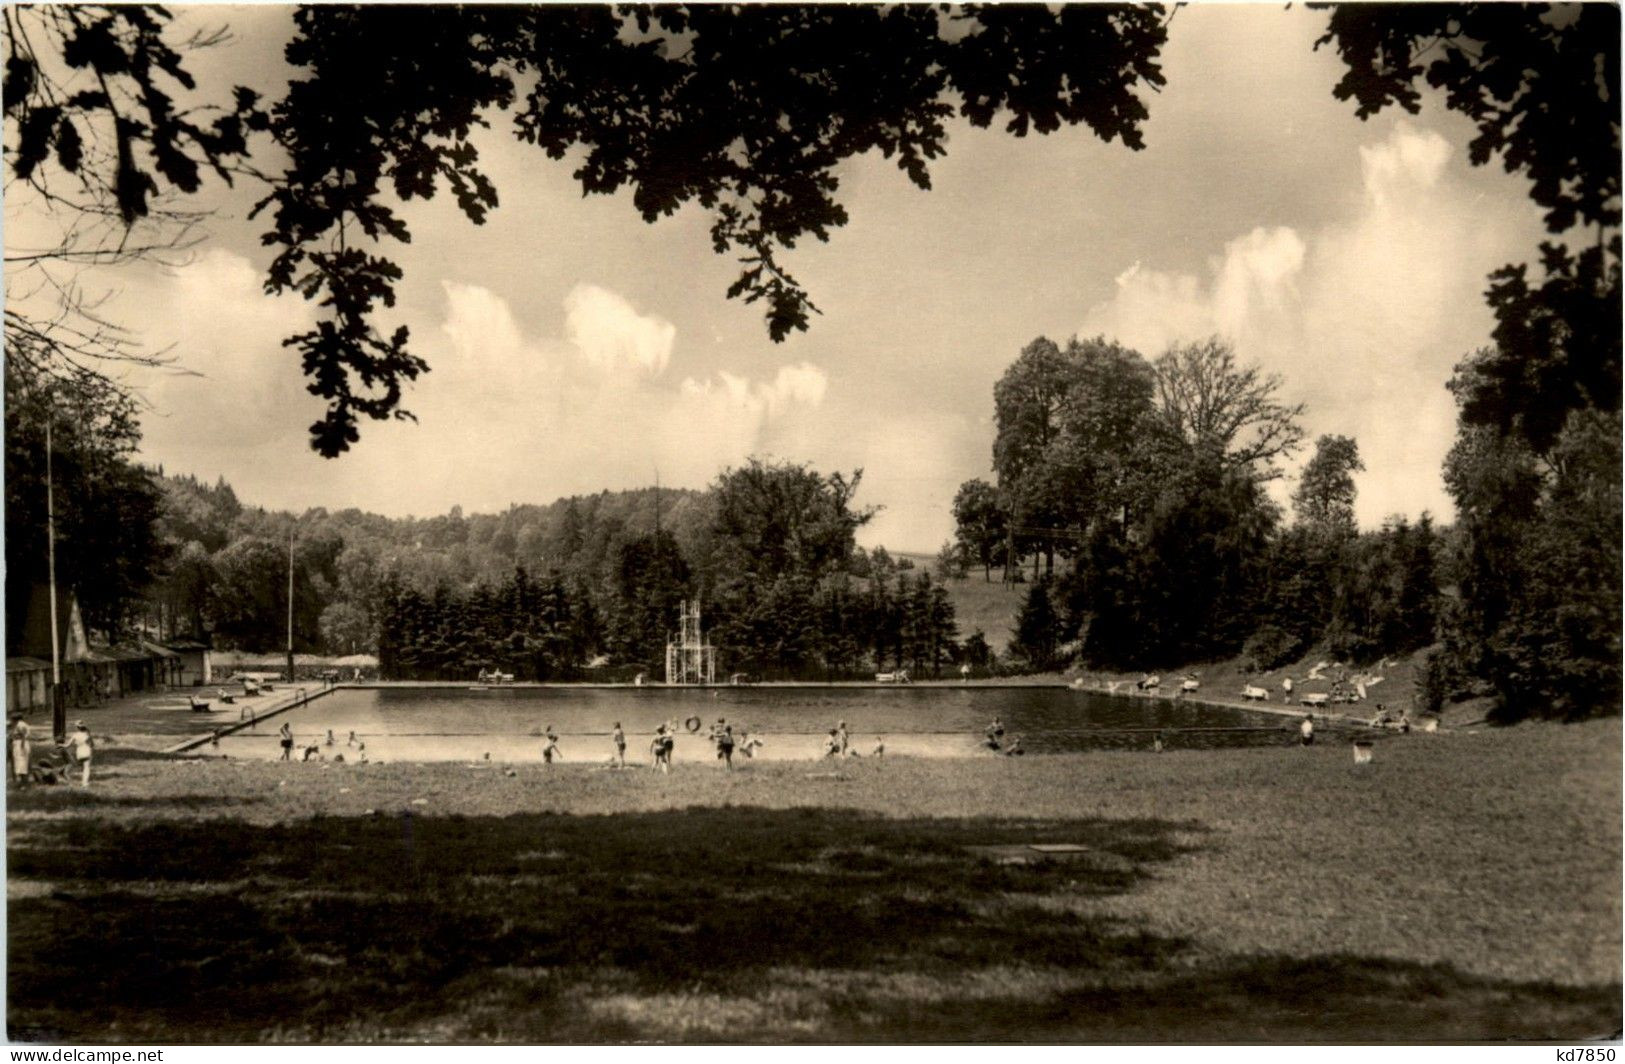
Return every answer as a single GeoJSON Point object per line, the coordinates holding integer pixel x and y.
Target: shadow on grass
{"type": "Point", "coordinates": [390, 927]}
{"type": "Point", "coordinates": [68, 796]}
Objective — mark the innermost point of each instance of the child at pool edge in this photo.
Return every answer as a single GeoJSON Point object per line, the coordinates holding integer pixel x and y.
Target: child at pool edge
{"type": "Point", "coordinates": [618, 737]}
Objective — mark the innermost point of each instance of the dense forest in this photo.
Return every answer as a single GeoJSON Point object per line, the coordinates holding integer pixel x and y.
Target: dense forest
{"type": "Point", "coordinates": [545, 591]}
{"type": "Point", "coordinates": [1135, 490]}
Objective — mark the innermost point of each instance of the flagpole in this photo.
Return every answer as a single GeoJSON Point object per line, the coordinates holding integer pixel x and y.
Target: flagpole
{"type": "Point", "coordinates": [59, 712]}
{"type": "Point", "coordinates": [290, 604]}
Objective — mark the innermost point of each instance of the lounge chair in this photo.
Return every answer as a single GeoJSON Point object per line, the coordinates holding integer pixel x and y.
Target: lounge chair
{"type": "Point", "coordinates": [199, 705]}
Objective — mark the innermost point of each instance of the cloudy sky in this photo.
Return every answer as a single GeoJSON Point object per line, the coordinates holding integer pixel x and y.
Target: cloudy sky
{"type": "Point", "coordinates": [574, 347]}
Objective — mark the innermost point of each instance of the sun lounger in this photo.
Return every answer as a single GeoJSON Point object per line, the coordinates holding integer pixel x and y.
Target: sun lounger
{"type": "Point", "coordinates": [1314, 700]}
{"type": "Point", "coordinates": [199, 705]}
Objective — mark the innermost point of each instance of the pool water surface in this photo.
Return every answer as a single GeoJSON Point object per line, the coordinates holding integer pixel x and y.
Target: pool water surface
{"type": "Point", "coordinates": [458, 724]}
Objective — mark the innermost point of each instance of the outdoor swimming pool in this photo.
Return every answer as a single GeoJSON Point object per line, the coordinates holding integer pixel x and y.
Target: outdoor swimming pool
{"type": "Point", "coordinates": [446, 724]}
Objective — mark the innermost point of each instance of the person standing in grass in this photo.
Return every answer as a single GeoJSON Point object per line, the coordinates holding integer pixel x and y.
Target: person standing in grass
{"type": "Point", "coordinates": [618, 737]}
{"type": "Point", "coordinates": [1306, 730]}
{"type": "Point", "coordinates": [725, 746]}
{"type": "Point", "coordinates": [287, 741]}
{"type": "Point", "coordinates": [841, 735]}
{"type": "Point", "coordinates": [80, 748]}
{"type": "Point", "coordinates": [551, 747]}
{"type": "Point", "coordinates": [20, 749]}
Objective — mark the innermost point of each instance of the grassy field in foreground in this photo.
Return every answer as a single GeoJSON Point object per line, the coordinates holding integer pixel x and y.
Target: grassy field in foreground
{"type": "Point", "coordinates": [1460, 887]}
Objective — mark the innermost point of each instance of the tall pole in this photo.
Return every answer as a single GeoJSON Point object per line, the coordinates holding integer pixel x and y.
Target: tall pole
{"type": "Point", "coordinates": [59, 712]}
{"type": "Point", "coordinates": [290, 605]}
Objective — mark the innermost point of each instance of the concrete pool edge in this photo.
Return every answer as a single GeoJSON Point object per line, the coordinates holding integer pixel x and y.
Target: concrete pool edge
{"type": "Point", "coordinates": [300, 697]}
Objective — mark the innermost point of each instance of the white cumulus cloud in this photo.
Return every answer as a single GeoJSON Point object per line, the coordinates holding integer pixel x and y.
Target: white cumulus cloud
{"type": "Point", "coordinates": [613, 336]}
{"type": "Point", "coordinates": [1363, 318]}
{"type": "Point", "coordinates": [509, 415]}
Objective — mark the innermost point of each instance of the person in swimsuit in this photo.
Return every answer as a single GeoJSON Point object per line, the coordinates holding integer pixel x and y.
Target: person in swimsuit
{"type": "Point", "coordinates": [287, 741]}
{"type": "Point", "coordinates": [618, 737]}
{"type": "Point", "coordinates": [725, 746]}
{"type": "Point", "coordinates": [661, 748]}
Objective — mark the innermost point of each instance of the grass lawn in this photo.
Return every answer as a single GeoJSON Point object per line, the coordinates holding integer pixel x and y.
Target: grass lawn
{"type": "Point", "coordinates": [1460, 887]}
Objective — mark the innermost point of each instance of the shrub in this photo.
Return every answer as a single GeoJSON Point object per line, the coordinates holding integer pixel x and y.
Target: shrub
{"type": "Point", "coordinates": [1270, 647]}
